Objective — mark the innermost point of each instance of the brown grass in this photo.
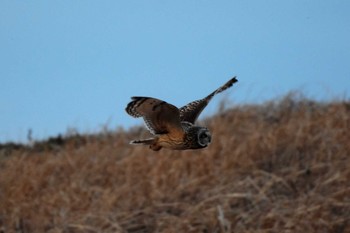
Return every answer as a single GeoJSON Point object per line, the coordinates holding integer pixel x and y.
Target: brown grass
{"type": "Point", "coordinates": [279, 167]}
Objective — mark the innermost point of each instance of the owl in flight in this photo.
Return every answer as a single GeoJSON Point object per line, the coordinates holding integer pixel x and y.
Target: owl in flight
{"type": "Point", "coordinates": [172, 127]}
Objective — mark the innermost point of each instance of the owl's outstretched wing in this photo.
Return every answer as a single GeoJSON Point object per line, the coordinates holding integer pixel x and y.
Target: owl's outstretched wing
{"type": "Point", "coordinates": [191, 111]}
{"type": "Point", "coordinates": [160, 117]}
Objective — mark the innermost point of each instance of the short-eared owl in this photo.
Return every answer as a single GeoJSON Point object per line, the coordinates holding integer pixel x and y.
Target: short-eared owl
{"type": "Point", "coordinates": [173, 128]}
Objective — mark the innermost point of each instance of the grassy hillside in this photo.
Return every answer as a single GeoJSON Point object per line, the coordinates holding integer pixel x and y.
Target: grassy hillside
{"type": "Point", "coordinates": [282, 166]}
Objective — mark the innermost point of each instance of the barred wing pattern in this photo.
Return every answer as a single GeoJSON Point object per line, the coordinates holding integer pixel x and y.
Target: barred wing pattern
{"type": "Point", "coordinates": [191, 111]}
{"type": "Point", "coordinates": [160, 117]}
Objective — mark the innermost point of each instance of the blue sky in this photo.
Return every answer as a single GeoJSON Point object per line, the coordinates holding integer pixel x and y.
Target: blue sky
{"type": "Point", "coordinates": [75, 64]}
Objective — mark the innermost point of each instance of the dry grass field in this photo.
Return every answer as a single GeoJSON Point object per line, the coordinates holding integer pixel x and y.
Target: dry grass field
{"type": "Point", "coordinates": [282, 166]}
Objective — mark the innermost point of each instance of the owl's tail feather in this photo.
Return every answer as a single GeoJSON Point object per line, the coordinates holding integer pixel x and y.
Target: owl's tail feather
{"type": "Point", "coordinates": [152, 142]}
{"type": "Point", "coordinates": [148, 141]}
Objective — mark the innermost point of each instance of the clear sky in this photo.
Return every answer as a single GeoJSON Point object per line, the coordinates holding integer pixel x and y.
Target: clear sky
{"type": "Point", "coordinates": [75, 64]}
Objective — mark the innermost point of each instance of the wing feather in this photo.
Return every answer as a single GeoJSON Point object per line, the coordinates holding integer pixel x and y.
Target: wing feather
{"type": "Point", "coordinates": [191, 111]}
{"type": "Point", "coordinates": [160, 117]}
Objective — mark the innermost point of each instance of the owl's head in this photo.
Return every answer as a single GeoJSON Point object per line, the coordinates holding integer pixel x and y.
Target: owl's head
{"type": "Point", "coordinates": [200, 137]}
{"type": "Point", "coordinates": [203, 137]}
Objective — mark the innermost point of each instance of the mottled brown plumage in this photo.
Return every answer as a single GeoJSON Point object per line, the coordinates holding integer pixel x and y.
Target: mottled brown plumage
{"type": "Point", "coordinates": [173, 128]}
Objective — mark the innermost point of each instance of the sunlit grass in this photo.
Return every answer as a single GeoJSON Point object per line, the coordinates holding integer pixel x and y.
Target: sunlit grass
{"type": "Point", "coordinates": [282, 166]}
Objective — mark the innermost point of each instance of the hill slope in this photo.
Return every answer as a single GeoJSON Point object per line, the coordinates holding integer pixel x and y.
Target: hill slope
{"type": "Point", "coordinates": [279, 167]}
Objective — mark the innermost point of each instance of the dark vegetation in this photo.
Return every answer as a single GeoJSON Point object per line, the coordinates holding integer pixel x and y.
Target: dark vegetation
{"type": "Point", "coordinates": [282, 166]}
